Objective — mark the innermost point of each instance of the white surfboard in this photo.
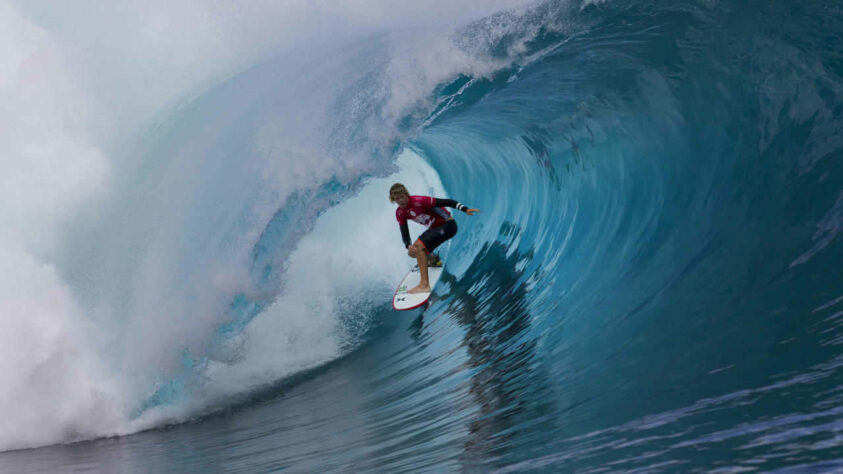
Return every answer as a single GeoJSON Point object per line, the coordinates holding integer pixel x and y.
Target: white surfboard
{"type": "Point", "coordinates": [403, 300]}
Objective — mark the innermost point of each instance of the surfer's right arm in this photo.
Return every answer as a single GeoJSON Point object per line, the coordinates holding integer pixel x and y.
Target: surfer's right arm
{"type": "Point", "coordinates": [405, 233]}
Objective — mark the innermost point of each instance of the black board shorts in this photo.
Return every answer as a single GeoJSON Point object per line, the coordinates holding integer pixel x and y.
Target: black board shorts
{"type": "Point", "coordinates": [433, 237]}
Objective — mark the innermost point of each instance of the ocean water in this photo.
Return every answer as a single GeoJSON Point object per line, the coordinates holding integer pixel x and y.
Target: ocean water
{"type": "Point", "coordinates": [198, 254]}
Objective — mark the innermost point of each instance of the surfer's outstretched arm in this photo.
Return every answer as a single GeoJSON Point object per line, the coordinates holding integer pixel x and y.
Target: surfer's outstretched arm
{"type": "Point", "coordinates": [440, 202]}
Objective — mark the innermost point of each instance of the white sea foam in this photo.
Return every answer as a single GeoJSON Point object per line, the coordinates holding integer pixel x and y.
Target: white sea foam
{"type": "Point", "coordinates": [350, 262]}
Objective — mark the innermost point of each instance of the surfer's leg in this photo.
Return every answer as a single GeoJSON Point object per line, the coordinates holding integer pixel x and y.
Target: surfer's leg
{"type": "Point", "coordinates": [433, 238]}
{"type": "Point", "coordinates": [427, 243]}
{"type": "Point", "coordinates": [421, 258]}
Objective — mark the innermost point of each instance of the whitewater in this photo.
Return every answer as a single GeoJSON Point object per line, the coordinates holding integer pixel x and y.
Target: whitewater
{"type": "Point", "coordinates": [197, 251]}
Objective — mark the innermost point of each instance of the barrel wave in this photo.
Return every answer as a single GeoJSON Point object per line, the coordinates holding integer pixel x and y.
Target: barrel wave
{"type": "Point", "coordinates": [652, 283]}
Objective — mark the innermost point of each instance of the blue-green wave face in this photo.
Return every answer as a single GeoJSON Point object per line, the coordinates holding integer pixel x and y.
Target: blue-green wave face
{"type": "Point", "coordinates": [658, 259]}
{"type": "Point", "coordinates": [652, 282]}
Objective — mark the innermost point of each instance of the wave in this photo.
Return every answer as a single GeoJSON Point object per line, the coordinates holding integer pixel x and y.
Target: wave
{"type": "Point", "coordinates": [157, 192]}
{"type": "Point", "coordinates": [658, 240]}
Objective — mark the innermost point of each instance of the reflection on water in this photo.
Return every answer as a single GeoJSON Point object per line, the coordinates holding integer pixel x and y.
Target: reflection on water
{"type": "Point", "coordinates": [506, 381]}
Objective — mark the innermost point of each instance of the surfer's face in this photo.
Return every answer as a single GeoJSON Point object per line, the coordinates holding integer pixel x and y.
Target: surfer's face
{"type": "Point", "coordinates": [402, 199]}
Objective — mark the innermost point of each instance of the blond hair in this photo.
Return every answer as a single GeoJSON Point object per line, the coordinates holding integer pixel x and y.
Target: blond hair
{"type": "Point", "coordinates": [397, 189]}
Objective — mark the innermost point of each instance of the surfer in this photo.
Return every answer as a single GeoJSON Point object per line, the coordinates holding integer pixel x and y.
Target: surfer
{"type": "Point", "coordinates": [430, 212]}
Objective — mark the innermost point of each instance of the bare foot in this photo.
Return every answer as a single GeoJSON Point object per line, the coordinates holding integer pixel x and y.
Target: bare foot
{"type": "Point", "coordinates": [420, 289]}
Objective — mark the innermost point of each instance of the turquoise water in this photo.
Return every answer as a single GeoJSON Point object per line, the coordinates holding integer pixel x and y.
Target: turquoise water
{"type": "Point", "coordinates": [653, 283]}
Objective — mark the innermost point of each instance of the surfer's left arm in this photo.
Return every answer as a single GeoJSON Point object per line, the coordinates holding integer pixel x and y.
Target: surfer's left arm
{"type": "Point", "coordinates": [438, 202]}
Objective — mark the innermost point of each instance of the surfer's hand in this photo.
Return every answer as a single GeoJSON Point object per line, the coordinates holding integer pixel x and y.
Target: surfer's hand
{"type": "Point", "coordinates": [411, 251]}
{"type": "Point", "coordinates": [471, 212]}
